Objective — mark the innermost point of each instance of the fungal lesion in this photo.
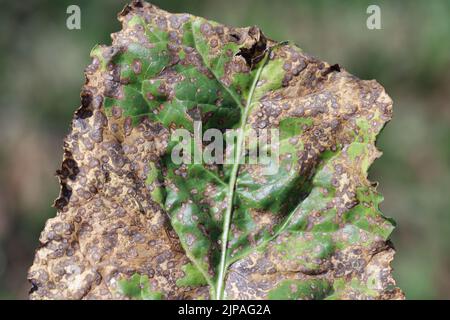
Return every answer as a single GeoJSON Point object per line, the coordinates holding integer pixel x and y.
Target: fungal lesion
{"type": "Point", "coordinates": [255, 50]}
{"type": "Point", "coordinates": [68, 172]}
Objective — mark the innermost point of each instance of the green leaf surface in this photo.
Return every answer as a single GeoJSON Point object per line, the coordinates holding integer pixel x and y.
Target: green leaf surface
{"type": "Point", "coordinates": [138, 288]}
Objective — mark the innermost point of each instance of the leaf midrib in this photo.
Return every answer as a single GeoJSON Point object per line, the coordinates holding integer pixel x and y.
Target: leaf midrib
{"type": "Point", "coordinates": [232, 184]}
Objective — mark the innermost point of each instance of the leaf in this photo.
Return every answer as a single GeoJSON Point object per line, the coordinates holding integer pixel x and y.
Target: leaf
{"type": "Point", "coordinates": [310, 230]}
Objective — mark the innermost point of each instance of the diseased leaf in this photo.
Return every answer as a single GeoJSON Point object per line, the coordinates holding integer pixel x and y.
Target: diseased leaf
{"type": "Point", "coordinates": [310, 230]}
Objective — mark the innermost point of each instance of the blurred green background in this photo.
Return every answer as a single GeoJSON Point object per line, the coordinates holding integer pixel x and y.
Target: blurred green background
{"type": "Point", "coordinates": [42, 62]}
